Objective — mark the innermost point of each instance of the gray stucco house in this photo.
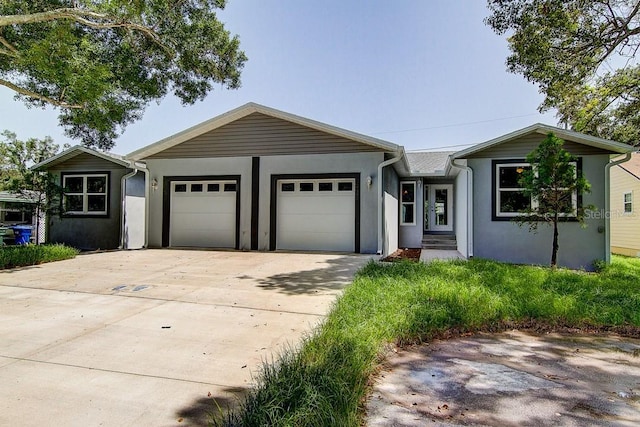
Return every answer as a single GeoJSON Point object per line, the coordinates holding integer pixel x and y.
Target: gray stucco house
{"type": "Point", "coordinates": [256, 178]}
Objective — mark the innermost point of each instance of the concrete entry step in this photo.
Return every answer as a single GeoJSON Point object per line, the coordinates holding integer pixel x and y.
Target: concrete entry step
{"type": "Point", "coordinates": [445, 242]}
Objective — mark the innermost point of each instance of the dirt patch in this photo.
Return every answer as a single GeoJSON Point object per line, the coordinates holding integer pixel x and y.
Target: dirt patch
{"type": "Point", "coordinates": [410, 254]}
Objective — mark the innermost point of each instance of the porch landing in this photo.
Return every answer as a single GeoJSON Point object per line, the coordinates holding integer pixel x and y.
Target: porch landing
{"type": "Point", "coordinates": [427, 255]}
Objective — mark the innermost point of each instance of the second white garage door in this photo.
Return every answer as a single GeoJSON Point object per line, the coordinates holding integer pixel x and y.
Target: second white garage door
{"type": "Point", "coordinates": [316, 215]}
{"type": "Point", "coordinates": [203, 214]}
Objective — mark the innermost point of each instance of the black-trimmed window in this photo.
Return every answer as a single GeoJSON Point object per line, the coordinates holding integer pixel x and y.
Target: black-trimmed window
{"type": "Point", "coordinates": [306, 186]}
{"type": "Point", "coordinates": [288, 186]}
{"type": "Point", "coordinates": [85, 194]}
{"type": "Point", "coordinates": [510, 198]}
{"type": "Point", "coordinates": [345, 186]}
{"type": "Point", "coordinates": [325, 186]}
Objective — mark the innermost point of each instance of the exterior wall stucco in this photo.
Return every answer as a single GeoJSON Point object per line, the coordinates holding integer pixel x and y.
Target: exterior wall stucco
{"type": "Point", "coordinates": [410, 236]}
{"type": "Point", "coordinates": [460, 212]}
{"type": "Point", "coordinates": [390, 210]}
{"type": "Point", "coordinates": [505, 241]}
{"type": "Point", "coordinates": [134, 219]}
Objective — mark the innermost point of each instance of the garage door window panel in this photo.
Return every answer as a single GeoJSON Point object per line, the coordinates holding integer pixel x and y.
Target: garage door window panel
{"type": "Point", "coordinates": [306, 186]}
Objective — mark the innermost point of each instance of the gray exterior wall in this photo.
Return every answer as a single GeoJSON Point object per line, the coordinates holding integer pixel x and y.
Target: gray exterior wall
{"type": "Point", "coordinates": [410, 236]}
{"type": "Point", "coordinates": [89, 233]}
{"type": "Point", "coordinates": [505, 241]}
{"type": "Point", "coordinates": [261, 135]}
{"type": "Point", "coordinates": [461, 212]}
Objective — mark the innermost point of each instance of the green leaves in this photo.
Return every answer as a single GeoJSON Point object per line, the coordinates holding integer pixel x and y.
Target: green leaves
{"type": "Point", "coordinates": [102, 62]}
{"type": "Point", "coordinates": [555, 184]}
{"type": "Point", "coordinates": [582, 54]}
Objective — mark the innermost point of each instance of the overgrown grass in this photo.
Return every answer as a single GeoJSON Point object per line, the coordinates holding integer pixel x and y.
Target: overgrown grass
{"type": "Point", "coordinates": [19, 256]}
{"type": "Point", "coordinates": [325, 381]}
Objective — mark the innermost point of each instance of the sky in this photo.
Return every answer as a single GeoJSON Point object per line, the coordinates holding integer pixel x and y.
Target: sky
{"type": "Point", "coordinates": [424, 74]}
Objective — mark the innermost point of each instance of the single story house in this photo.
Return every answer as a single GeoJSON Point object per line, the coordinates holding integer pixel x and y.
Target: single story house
{"type": "Point", "coordinates": [624, 214]}
{"type": "Point", "coordinates": [256, 178]}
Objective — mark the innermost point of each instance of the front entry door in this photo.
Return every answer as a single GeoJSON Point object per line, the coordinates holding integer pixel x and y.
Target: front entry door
{"type": "Point", "coordinates": [438, 207]}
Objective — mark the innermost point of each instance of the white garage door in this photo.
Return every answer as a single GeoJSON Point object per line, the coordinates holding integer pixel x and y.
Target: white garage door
{"type": "Point", "coordinates": [316, 214]}
{"type": "Point", "coordinates": [203, 214]}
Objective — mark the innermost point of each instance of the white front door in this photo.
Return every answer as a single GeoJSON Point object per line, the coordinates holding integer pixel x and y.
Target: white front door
{"type": "Point", "coordinates": [438, 207]}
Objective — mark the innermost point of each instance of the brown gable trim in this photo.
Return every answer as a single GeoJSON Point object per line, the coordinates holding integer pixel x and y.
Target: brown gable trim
{"type": "Point", "coordinates": [628, 171]}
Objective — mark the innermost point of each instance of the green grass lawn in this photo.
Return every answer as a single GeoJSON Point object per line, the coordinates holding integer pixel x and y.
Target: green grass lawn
{"type": "Point", "coordinates": [20, 256]}
{"type": "Point", "coordinates": [324, 382]}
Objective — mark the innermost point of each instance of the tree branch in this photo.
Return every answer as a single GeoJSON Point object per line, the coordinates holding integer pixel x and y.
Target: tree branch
{"type": "Point", "coordinates": [11, 50]}
{"type": "Point", "coordinates": [80, 16]}
{"type": "Point", "coordinates": [38, 96]}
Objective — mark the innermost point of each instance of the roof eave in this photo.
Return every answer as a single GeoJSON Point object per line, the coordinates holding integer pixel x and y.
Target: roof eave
{"type": "Point", "coordinates": [65, 155]}
{"type": "Point", "coordinates": [611, 146]}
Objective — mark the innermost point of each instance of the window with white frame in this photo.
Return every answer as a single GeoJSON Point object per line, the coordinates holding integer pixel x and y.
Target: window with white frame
{"type": "Point", "coordinates": [85, 194]}
{"type": "Point", "coordinates": [628, 202]}
{"type": "Point", "coordinates": [407, 203]}
{"type": "Point", "coordinates": [511, 199]}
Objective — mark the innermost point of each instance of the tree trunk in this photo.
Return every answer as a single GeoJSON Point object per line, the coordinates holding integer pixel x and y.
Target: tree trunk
{"type": "Point", "coordinates": [554, 253]}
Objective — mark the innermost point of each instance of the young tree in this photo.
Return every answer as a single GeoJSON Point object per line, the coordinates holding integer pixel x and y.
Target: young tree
{"type": "Point", "coordinates": [39, 188]}
{"type": "Point", "coordinates": [102, 62]}
{"type": "Point", "coordinates": [553, 182]}
{"type": "Point", "coordinates": [582, 55]}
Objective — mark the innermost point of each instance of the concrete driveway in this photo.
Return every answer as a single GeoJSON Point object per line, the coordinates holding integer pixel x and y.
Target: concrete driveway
{"type": "Point", "coordinates": [152, 337]}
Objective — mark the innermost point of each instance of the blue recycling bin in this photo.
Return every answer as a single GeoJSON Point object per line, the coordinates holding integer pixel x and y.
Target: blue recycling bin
{"type": "Point", "coordinates": [22, 234]}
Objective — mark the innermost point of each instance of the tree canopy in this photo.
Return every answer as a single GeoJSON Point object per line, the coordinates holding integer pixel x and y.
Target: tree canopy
{"type": "Point", "coordinates": [101, 62]}
{"type": "Point", "coordinates": [583, 56]}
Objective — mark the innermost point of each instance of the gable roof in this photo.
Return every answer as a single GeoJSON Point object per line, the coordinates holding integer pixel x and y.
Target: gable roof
{"type": "Point", "coordinates": [632, 166]}
{"type": "Point", "coordinates": [428, 162]}
{"type": "Point", "coordinates": [75, 151]}
{"type": "Point", "coordinates": [246, 110]}
{"type": "Point", "coordinates": [592, 141]}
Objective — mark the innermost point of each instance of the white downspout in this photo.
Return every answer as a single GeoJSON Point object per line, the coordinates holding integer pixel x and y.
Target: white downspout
{"type": "Point", "coordinates": [123, 200]}
{"type": "Point", "coordinates": [381, 200]}
{"type": "Point", "coordinates": [607, 206]}
{"type": "Point", "coordinates": [147, 203]}
{"type": "Point", "coordinates": [469, 206]}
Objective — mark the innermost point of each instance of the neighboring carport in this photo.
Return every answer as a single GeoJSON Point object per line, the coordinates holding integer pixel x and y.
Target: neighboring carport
{"type": "Point", "coordinates": [152, 337]}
